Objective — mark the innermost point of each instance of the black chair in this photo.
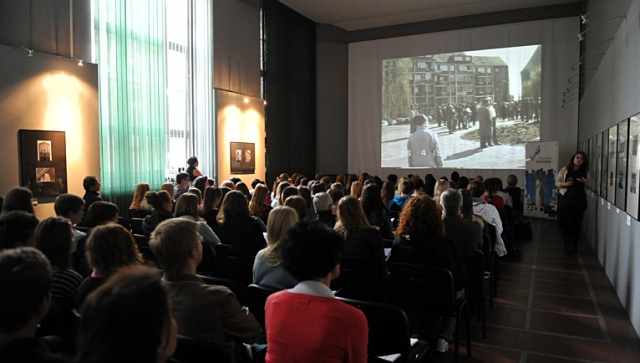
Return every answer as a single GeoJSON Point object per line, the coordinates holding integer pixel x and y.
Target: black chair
{"type": "Point", "coordinates": [209, 280]}
{"type": "Point", "coordinates": [207, 266]}
{"type": "Point", "coordinates": [492, 263]}
{"type": "Point", "coordinates": [143, 247]}
{"type": "Point", "coordinates": [235, 263]}
{"type": "Point", "coordinates": [389, 332]}
{"type": "Point", "coordinates": [255, 299]}
{"type": "Point", "coordinates": [474, 266]}
{"type": "Point", "coordinates": [426, 292]}
{"type": "Point", "coordinates": [140, 213]}
{"type": "Point", "coordinates": [362, 278]}
{"type": "Point", "coordinates": [196, 351]}
{"type": "Point", "coordinates": [136, 226]}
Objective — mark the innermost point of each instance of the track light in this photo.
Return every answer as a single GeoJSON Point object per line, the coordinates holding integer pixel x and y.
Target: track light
{"type": "Point", "coordinates": [80, 63]}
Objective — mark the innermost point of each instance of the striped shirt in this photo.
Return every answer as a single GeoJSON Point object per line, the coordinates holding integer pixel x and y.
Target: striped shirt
{"type": "Point", "coordinates": [63, 285]}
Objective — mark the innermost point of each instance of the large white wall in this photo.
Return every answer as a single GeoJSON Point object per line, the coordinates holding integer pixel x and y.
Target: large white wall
{"type": "Point", "coordinates": [612, 94]}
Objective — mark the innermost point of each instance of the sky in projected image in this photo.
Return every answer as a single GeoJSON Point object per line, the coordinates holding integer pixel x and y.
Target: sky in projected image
{"type": "Point", "coordinates": [449, 90]}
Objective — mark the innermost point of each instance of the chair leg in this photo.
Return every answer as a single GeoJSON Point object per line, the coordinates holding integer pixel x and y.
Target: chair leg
{"type": "Point", "coordinates": [466, 318]}
{"type": "Point", "coordinates": [483, 313]}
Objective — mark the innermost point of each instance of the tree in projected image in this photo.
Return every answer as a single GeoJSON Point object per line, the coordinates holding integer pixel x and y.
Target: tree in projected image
{"type": "Point", "coordinates": [396, 90]}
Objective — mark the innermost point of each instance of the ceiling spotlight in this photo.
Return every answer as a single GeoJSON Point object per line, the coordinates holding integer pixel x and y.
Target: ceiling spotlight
{"type": "Point", "coordinates": [80, 63]}
{"type": "Point", "coordinates": [246, 100]}
{"type": "Point", "coordinates": [584, 19]}
{"type": "Point", "coordinates": [30, 52]}
{"type": "Point", "coordinates": [580, 37]}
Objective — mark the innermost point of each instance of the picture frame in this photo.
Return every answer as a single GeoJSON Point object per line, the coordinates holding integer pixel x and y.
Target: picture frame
{"type": "Point", "coordinates": [593, 165]}
{"type": "Point", "coordinates": [612, 161]}
{"type": "Point", "coordinates": [242, 157]}
{"type": "Point", "coordinates": [43, 163]}
{"type": "Point", "coordinates": [621, 165]}
{"type": "Point", "coordinates": [633, 167]}
{"type": "Point", "coordinates": [601, 147]}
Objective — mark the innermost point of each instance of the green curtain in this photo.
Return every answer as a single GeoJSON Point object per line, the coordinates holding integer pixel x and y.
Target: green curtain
{"type": "Point", "coordinates": [129, 49]}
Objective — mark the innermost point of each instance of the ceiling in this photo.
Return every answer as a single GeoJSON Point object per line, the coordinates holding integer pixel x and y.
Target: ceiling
{"type": "Point", "coordinates": [363, 14]}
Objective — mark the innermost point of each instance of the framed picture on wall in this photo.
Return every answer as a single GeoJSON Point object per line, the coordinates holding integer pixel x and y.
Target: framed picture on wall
{"type": "Point", "coordinates": [43, 163]}
{"type": "Point", "coordinates": [612, 161]}
{"type": "Point", "coordinates": [243, 157]}
{"type": "Point", "coordinates": [633, 167]}
{"type": "Point", "coordinates": [602, 160]}
{"type": "Point", "coordinates": [621, 165]}
{"type": "Point", "coordinates": [592, 164]}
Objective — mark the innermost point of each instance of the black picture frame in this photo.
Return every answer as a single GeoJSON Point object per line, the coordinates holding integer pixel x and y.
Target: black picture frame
{"type": "Point", "coordinates": [43, 163]}
{"type": "Point", "coordinates": [242, 157]}
{"type": "Point", "coordinates": [621, 167]}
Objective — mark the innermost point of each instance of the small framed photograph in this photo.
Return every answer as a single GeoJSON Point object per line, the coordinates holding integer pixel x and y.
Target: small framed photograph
{"type": "Point", "coordinates": [43, 163]}
{"type": "Point", "coordinates": [243, 157]}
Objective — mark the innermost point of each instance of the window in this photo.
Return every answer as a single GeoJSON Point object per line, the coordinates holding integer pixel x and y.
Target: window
{"type": "Point", "coordinates": [158, 96]}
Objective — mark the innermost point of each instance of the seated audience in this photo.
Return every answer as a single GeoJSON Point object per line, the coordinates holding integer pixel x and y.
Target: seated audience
{"type": "Point", "coordinates": [307, 323]}
{"type": "Point", "coordinates": [18, 199]}
{"type": "Point", "coordinates": [139, 207]}
{"type": "Point", "coordinates": [490, 194]}
{"type": "Point", "coordinates": [322, 203]}
{"type": "Point", "coordinates": [356, 189]}
{"type": "Point", "coordinates": [466, 211]}
{"type": "Point", "coordinates": [421, 241]}
{"type": "Point", "coordinates": [237, 227]}
{"type": "Point", "coordinates": [182, 185]}
{"type": "Point", "coordinates": [305, 193]}
{"type": "Point", "coordinates": [71, 206]}
{"type": "Point", "coordinates": [162, 206]}
{"type": "Point", "coordinates": [489, 214]}
{"type": "Point", "coordinates": [207, 313]}
{"type": "Point", "coordinates": [242, 187]}
{"type": "Point", "coordinates": [128, 319]}
{"type": "Point", "coordinates": [210, 204]}
{"type": "Point", "coordinates": [466, 234]}
{"type": "Point", "coordinates": [25, 283]}
{"type": "Point", "coordinates": [268, 269]}
{"type": "Point", "coordinates": [463, 182]}
{"type": "Point", "coordinates": [298, 204]}
{"type": "Point", "coordinates": [375, 210]}
{"type": "Point", "coordinates": [201, 183]}
{"type": "Point", "coordinates": [515, 193]}
{"type": "Point", "coordinates": [187, 208]}
{"type": "Point", "coordinates": [387, 192]}
{"type": "Point", "coordinates": [259, 206]}
{"type": "Point", "coordinates": [441, 185]}
{"type": "Point", "coordinates": [91, 186]}
{"type": "Point", "coordinates": [16, 229]}
{"type": "Point", "coordinates": [362, 240]}
{"type": "Point", "coordinates": [165, 186]}
{"type": "Point", "coordinates": [399, 201]}
{"type": "Point", "coordinates": [53, 238]}
{"type": "Point", "coordinates": [109, 248]}
{"type": "Point", "coordinates": [101, 213]}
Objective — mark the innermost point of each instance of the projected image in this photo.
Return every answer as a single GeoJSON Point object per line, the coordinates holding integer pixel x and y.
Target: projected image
{"type": "Point", "coordinates": [473, 109]}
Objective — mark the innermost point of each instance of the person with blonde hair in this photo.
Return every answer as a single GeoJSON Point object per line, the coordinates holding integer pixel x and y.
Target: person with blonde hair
{"type": "Point", "coordinates": [169, 188]}
{"type": "Point", "coordinates": [441, 185]}
{"type": "Point", "coordinates": [356, 189]}
{"type": "Point", "coordinates": [139, 207]}
{"type": "Point", "coordinates": [268, 269]}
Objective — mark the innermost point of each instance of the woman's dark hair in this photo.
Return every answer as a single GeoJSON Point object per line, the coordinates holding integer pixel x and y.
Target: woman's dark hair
{"type": "Point", "coordinates": [310, 250]}
{"type": "Point", "coordinates": [306, 194]}
{"type": "Point", "coordinates": [211, 194]}
{"type": "Point", "coordinates": [467, 204]}
{"type": "Point", "coordinates": [101, 212]}
{"type": "Point", "coordinates": [200, 182]}
{"type": "Point", "coordinates": [299, 204]}
{"type": "Point", "coordinates": [585, 162]}
{"type": "Point", "coordinates": [286, 193]}
{"type": "Point", "coordinates": [192, 161]}
{"type": "Point", "coordinates": [18, 199]}
{"type": "Point", "coordinates": [15, 228]}
{"type": "Point", "coordinates": [157, 199]}
{"type": "Point", "coordinates": [53, 238]}
{"type": "Point", "coordinates": [371, 198]}
{"type": "Point", "coordinates": [476, 188]}
{"type": "Point", "coordinates": [242, 187]}
{"type": "Point", "coordinates": [463, 182]}
{"type": "Point", "coordinates": [234, 205]}
{"type": "Point", "coordinates": [126, 319]}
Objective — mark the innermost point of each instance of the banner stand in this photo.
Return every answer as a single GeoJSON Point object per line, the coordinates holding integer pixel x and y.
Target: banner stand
{"type": "Point", "coordinates": [541, 194]}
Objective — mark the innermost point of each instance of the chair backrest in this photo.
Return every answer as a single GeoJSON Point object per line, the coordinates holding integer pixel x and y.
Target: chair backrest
{"type": "Point", "coordinates": [140, 213]}
{"type": "Point", "coordinates": [473, 261]}
{"type": "Point", "coordinates": [207, 265]}
{"type": "Point", "coordinates": [195, 351]}
{"type": "Point", "coordinates": [361, 278]}
{"type": "Point", "coordinates": [143, 247]}
{"type": "Point", "coordinates": [136, 226]}
{"type": "Point", "coordinates": [235, 263]}
{"type": "Point", "coordinates": [255, 299]}
{"type": "Point", "coordinates": [422, 288]}
{"type": "Point", "coordinates": [388, 328]}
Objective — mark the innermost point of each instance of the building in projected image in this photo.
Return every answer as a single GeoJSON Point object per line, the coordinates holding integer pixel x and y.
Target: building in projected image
{"type": "Point", "coordinates": [452, 79]}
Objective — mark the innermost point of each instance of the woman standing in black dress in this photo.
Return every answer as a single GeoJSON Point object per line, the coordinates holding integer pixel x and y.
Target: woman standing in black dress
{"type": "Point", "coordinates": [572, 199]}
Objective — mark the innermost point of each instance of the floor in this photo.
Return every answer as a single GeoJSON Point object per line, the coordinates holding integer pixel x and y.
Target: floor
{"type": "Point", "coordinates": [552, 308]}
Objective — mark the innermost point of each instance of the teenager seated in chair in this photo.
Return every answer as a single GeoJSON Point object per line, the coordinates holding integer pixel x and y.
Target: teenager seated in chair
{"type": "Point", "coordinates": [128, 319]}
{"type": "Point", "coordinates": [162, 210]}
{"type": "Point", "coordinates": [307, 323]}
{"type": "Point", "coordinates": [422, 241]}
{"type": "Point", "coordinates": [322, 203]}
{"type": "Point", "coordinates": [16, 229]}
{"type": "Point", "coordinates": [489, 214]}
{"type": "Point", "coordinates": [268, 269]}
{"type": "Point", "coordinates": [25, 282]}
{"type": "Point", "coordinates": [208, 313]}
{"type": "Point", "coordinates": [139, 207]}
{"type": "Point", "coordinates": [237, 226]}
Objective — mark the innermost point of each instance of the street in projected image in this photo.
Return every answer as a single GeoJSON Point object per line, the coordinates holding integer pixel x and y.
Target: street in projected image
{"type": "Point", "coordinates": [450, 89]}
